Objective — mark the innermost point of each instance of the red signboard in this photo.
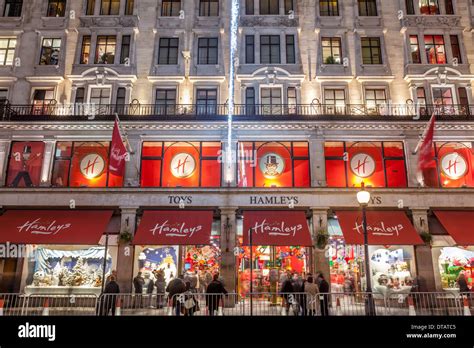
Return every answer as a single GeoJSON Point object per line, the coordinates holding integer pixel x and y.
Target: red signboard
{"type": "Point", "coordinates": [458, 224]}
{"type": "Point", "coordinates": [276, 228]}
{"type": "Point", "coordinates": [78, 227]}
{"type": "Point", "coordinates": [174, 227]}
{"type": "Point", "coordinates": [383, 228]}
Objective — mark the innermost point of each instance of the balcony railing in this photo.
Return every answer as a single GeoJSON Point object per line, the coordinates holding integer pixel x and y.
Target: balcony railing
{"type": "Point", "coordinates": [146, 112]}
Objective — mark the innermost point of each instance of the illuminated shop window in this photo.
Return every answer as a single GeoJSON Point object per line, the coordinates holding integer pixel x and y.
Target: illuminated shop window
{"type": "Point", "coordinates": [181, 164]}
{"type": "Point", "coordinates": [273, 164]}
{"type": "Point", "coordinates": [83, 164]}
{"type": "Point", "coordinates": [451, 166]}
{"type": "Point", "coordinates": [25, 163]}
{"type": "Point", "coordinates": [377, 164]}
{"type": "Point", "coordinates": [454, 263]}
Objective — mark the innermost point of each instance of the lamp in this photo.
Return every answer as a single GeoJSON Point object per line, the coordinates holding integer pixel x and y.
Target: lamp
{"type": "Point", "coordinates": [363, 196]}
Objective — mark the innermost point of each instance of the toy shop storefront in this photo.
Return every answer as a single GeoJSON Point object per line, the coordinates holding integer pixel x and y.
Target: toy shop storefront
{"type": "Point", "coordinates": [174, 242]}
{"type": "Point", "coordinates": [56, 251]}
{"type": "Point", "coordinates": [281, 242]}
{"type": "Point", "coordinates": [391, 237]}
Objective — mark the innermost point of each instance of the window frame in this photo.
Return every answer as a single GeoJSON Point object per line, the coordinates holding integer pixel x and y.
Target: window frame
{"type": "Point", "coordinates": [372, 48]}
{"type": "Point", "coordinates": [208, 48]}
{"type": "Point", "coordinates": [56, 5]}
{"type": "Point", "coordinates": [271, 8]}
{"type": "Point", "coordinates": [8, 49]}
{"type": "Point", "coordinates": [109, 9]}
{"type": "Point", "coordinates": [270, 45]}
{"type": "Point", "coordinates": [249, 48]}
{"type": "Point", "coordinates": [415, 51]}
{"type": "Point", "coordinates": [332, 48]}
{"type": "Point", "coordinates": [168, 102]}
{"type": "Point", "coordinates": [169, 47]}
{"type": "Point", "coordinates": [290, 49]}
{"type": "Point", "coordinates": [365, 8]}
{"type": "Point", "coordinates": [207, 10]}
{"type": "Point", "coordinates": [168, 8]}
{"type": "Point", "coordinates": [329, 8]}
{"type": "Point", "coordinates": [435, 47]}
{"type": "Point", "coordinates": [107, 45]}
{"type": "Point", "coordinates": [15, 9]}
{"type": "Point", "coordinates": [52, 48]}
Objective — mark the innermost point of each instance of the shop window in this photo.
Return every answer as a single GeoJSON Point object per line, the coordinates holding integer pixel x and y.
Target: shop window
{"type": "Point", "coordinates": [249, 7]}
{"type": "Point", "coordinates": [165, 101]}
{"type": "Point", "coordinates": [269, 7]}
{"type": "Point", "coordinates": [332, 51]}
{"type": "Point", "coordinates": [456, 48]}
{"type": "Point", "coordinates": [125, 50]}
{"type": "Point", "coordinates": [50, 50]}
{"type": "Point", "coordinates": [105, 49]}
{"type": "Point", "coordinates": [206, 101]}
{"type": "Point", "coordinates": [7, 50]}
{"type": "Point", "coordinates": [328, 8]}
{"type": "Point", "coordinates": [12, 8]}
{"type": "Point", "coordinates": [249, 49]}
{"type": "Point", "coordinates": [42, 100]}
{"type": "Point", "coordinates": [170, 8]}
{"type": "Point", "coordinates": [377, 164]}
{"type": "Point", "coordinates": [207, 50]}
{"type": "Point", "coordinates": [415, 49]}
{"type": "Point", "coordinates": [209, 8]}
{"type": "Point", "coordinates": [129, 5]}
{"type": "Point", "coordinates": [435, 49]}
{"type": "Point", "coordinates": [271, 100]}
{"type": "Point", "coordinates": [270, 49]}
{"type": "Point", "coordinates": [371, 50]}
{"type": "Point", "coordinates": [181, 164]}
{"type": "Point", "coordinates": [25, 164]}
{"type": "Point", "coordinates": [290, 49]}
{"type": "Point", "coordinates": [56, 8]}
{"type": "Point", "coordinates": [83, 164]}
{"type": "Point", "coordinates": [454, 263]}
{"type": "Point", "coordinates": [110, 7]}
{"type": "Point", "coordinates": [273, 164]}
{"type": "Point", "coordinates": [334, 101]}
{"type": "Point", "coordinates": [168, 51]}
{"type": "Point", "coordinates": [367, 7]}
{"type": "Point", "coordinates": [90, 7]}
{"type": "Point", "coordinates": [85, 50]}
{"type": "Point", "coordinates": [429, 7]}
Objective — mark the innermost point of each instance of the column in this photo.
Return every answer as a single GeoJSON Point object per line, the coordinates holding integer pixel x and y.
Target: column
{"type": "Point", "coordinates": [423, 257]}
{"type": "Point", "coordinates": [228, 243]}
{"type": "Point", "coordinates": [4, 149]}
{"type": "Point", "coordinates": [317, 163]}
{"type": "Point", "coordinates": [320, 260]}
{"type": "Point", "coordinates": [126, 252]}
{"type": "Point", "coordinates": [283, 47]}
{"type": "Point", "coordinates": [47, 167]}
{"type": "Point", "coordinates": [132, 167]}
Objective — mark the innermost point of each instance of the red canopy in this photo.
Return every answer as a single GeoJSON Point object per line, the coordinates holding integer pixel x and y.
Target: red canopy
{"type": "Point", "coordinates": [277, 227]}
{"type": "Point", "coordinates": [79, 227]}
{"type": "Point", "coordinates": [383, 228]}
{"type": "Point", "coordinates": [174, 227]}
{"type": "Point", "coordinates": [458, 224]}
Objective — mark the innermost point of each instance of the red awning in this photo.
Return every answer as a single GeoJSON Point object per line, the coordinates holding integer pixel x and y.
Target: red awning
{"type": "Point", "coordinates": [458, 224]}
{"type": "Point", "coordinates": [174, 227]}
{"type": "Point", "coordinates": [383, 228]}
{"type": "Point", "coordinates": [78, 227]}
{"type": "Point", "coordinates": [277, 227]}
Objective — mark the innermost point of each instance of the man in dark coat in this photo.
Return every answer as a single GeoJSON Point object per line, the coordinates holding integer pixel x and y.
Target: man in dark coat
{"type": "Point", "coordinates": [138, 283]}
{"type": "Point", "coordinates": [287, 290]}
{"type": "Point", "coordinates": [175, 287]}
{"type": "Point", "coordinates": [324, 295]}
{"type": "Point", "coordinates": [214, 291]}
{"type": "Point", "coordinates": [110, 300]}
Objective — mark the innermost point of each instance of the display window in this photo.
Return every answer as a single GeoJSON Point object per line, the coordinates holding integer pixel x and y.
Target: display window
{"type": "Point", "coordinates": [273, 164]}
{"type": "Point", "coordinates": [377, 164]}
{"type": "Point", "coordinates": [451, 166]}
{"type": "Point", "coordinates": [453, 262]}
{"type": "Point", "coordinates": [83, 164]}
{"type": "Point", "coordinates": [25, 164]}
{"type": "Point", "coordinates": [181, 164]}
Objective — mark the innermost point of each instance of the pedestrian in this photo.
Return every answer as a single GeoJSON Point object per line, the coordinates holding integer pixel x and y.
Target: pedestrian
{"type": "Point", "coordinates": [190, 302]}
{"type": "Point", "coordinates": [214, 293]}
{"type": "Point", "coordinates": [138, 283]}
{"type": "Point", "coordinates": [160, 284]}
{"type": "Point", "coordinates": [311, 293]}
{"type": "Point", "coordinates": [113, 273]}
{"type": "Point", "coordinates": [176, 287]}
{"type": "Point", "coordinates": [300, 298]}
{"type": "Point", "coordinates": [323, 295]}
{"type": "Point", "coordinates": [286, 291]}
{"type": "Point", "coordinates": [111, 290]}
{"type": "Point", "coordinates": [150, 287]}
{"type": "Point", "coordinates": [462, 283]}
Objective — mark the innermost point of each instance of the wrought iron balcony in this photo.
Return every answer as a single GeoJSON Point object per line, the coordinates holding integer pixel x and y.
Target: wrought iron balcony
{"type": "Point", "coordinates": [216, 112]}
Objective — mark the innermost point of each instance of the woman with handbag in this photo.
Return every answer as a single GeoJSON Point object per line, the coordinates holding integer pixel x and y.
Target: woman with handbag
{"type": "Point", "coordinates": [190, 302]}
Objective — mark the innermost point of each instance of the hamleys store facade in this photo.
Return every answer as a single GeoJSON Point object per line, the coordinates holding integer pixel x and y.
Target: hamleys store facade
{"type": "Point", "coordinates": [186, 210]}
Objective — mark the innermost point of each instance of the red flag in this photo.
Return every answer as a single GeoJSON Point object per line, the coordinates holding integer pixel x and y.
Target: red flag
{"type": "Point", "coordinates": [424, 156]}
{"type": "Point", "coordinates": [118, 152]}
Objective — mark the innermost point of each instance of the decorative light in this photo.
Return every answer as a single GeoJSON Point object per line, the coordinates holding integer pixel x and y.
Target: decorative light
{"type": "Point", "coordinates": [363, 196]}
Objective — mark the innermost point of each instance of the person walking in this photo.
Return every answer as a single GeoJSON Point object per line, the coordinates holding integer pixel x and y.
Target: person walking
{"type": "Point", "coordinates": [160, 284]}
{"type": "Point", "coordinates": [214, 293]}
{"type": "Point", "coordinates": [324, 295]}
{"type": "Point", "coordinates": [138, 283]}
{"type": "Point", "coordinates": [111, 289]}
{"type": "Point", "coordinates": [287, 291]}
{"type": "Point", "coordinates": [311, 295]}
{"type": "Point", "coordinates": [174, 289]}
{"type": "Point", "coordinates": [300, 298]}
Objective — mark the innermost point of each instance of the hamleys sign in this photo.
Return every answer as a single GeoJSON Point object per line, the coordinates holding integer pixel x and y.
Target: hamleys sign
{"type": "Point", "coordinates": [280, 228]}
{"type": "Point", "coordinates": [180, 229]}
{"type": "Point", "coordinates": [183, 165]}
{"type": "Point", "coordinates": [454, 165]}
{"type": "Point", "coordinates": [38, 226]}
{"type": "Point", "coordinates": [362, 165]}
{"type": "Point", "coordinates": [92, 165]}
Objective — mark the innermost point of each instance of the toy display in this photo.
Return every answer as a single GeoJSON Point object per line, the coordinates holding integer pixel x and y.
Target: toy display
{"type": "Point", "coordinates": [454, 261]}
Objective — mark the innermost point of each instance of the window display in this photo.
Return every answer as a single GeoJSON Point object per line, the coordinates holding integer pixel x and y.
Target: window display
{"type": "Point", "coordinates": [181, 164]}
{"type": "Point", "coordinates": [452, 263]}
{"type": "Point", "coordinates": [25, 164]}
{"type": "Point", "coordinates": [273, 164]}
{"type": "Point", "coordinates": [377, 164]}
{"type": "Point", "coordinates": [83, 164]}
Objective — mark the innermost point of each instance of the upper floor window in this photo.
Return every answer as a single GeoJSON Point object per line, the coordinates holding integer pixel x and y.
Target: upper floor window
{"type": "Point", "coordinates": [456, 48]}
{"type": "Point", "coordinates": [449, 7]}
{"type": "Point", "coordinates": [209, 8]}
{"type": "Point", "coordinates": [42, 99]}
{"type": "Point", "coordinates": [206, 101]}
{"type": "Point", "coordinates": [270, 49]}
{"type": "Point", "coordinates": [125, 49]}
{"type": "Point", "coordinates": [334, 100]}
{"type": "Point", "coordinates": [331, 50]}
{"type": "Point", "coordinates": [290, 49]}
{"type": "Point", "coordinates": [289, 6]}
{"type": "Point", "coordinates": [129, 5]}
{"type": "Point", "coordinates": [110, 7]}
{"type": "Point", "coordinates": [56, 8]}
{"type": "Point", "coordinates": [25, 164]}
{"type": "Point", "coordinates": [168, 51]}
{"type": "Point", "coordinates": [367, 7]}
{"type": "Point", "coordinates": [90, 7]}
{"type": "Point", "coordinates": [435, 49]}
{"type": "Point", "coordinates": [429, 7]}
{"type": "Point", "coordinates": [7, 50]}
{"type": "Point", "coordinates": [249, 7]}
{"type": "Point", "coordinates": [410, 7]}
{"type": "Point", "coordinates": [165, 101]}
{"type": "Point", "coordinates": [374, 98]}
{"type": "Point", "coordinates": [12, 8]}
{"type": "Point", "coordinates": [105, 49]}
{"type": "Point", "coordinates": [3, 96]}
{"type": "Point", "coordinates": [207, 50]}
{"type": "Point", "coordinates": [250, 49]}
{"type": "Point", "coordinates": [415, 49]}
{"type": "Point", "coordinates": [85, 50]}
{"type": "Point", "coordinates": [50, 50]}
{"type": "Point", "coordinates": [170, 8]}
{"type": "Point", "coordinates": [328, 8]}
{"type": "Point", "coordinates": [269, 7]}
{"type": "Point", "coordinates": [371, 50]}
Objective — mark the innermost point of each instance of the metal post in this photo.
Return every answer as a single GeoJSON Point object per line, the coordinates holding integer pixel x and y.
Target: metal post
{"type": "Point", "coordinates": [251, 272]}
{"type": "Point", "coordinates": [370, 305]}
{"type": "Point", "coordinates": [104, 265]}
